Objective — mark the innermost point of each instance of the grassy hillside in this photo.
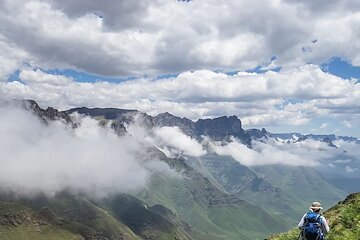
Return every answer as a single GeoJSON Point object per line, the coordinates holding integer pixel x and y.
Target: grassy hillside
{"type": "Point", "coordinates": [343, 218]}
{"type": "Point", "coordinates": [303, 183]}
{"type": "Point", "coordinates": [214, 213]}
{"type": "Point", "coordinates": [66, 216]}
{"type": "Point", "coordinates": [18, 222]}
{"type": "Point", "coordinates": [246, 184]}
{"type": "Point", "coordinates": [155, 222]}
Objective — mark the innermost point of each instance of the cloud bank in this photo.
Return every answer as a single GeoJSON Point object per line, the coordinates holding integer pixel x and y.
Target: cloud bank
{"type": "Point", "coordinates": [293, 97]}
{"type": "Point", "coordinates": [90, 159]}
{"type": "Point", "coordinates": [343, 161]}
{"type": "Point", "coordinates": [174, 143]}
{"type": "Point", "coordinates": [262, 154]}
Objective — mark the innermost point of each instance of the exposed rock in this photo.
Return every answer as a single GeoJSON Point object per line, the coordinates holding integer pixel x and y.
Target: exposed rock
{"type": "Point", "coordinates": [46, 214]}
{"type": "Point", "coordinates": [184, 124]}
{"type": "Point", "coordinates": [301, 139]}
{"type": "Point", "coordinates": [218, 128]}
{"type": "Point", "coordinates": [329, 142]}
{"type": "Point", "coordinates": [222, 127]}
{"type": "Point", "coordinates": [15, 219]}
{"type": "Point", "coordinates": [49, 114]}
{"type": "Point", "coordinates": [257, 134]}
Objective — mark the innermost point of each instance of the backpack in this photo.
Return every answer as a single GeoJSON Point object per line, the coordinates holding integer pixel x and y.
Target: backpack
{"type": "Point", "coordinates": [312, 227]}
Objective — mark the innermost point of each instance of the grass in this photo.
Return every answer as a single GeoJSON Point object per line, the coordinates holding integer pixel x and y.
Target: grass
{"type": "Point", "coordinates": [343, 218]}
{"type": "Point", "coordinates": [191, 199]}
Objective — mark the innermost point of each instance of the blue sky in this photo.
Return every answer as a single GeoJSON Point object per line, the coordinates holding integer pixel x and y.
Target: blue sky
{"type": "Point", "coordinates": [341, 68]}
{"type": "Point", "coordinates": [297, 72]}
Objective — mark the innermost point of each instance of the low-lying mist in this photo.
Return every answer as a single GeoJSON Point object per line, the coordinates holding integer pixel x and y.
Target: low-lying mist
{"type": "Point", "coordinates": [47, 158]}
{"type": "Point", "coordinates": [39, 158]}
{"type": "Point", "coordinates": [341, 161]}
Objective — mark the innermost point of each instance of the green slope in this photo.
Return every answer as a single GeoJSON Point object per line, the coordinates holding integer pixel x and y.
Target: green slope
{"type": "Point", "coordinates": [81, 216]}
{"type": "Point", "coordinates": [155, 222]}
{"type": "Point", "coordinates": [18, 222]}
{"type": "Point", "coordinates": [304, 183]}
{"type": "Point", "coordinates": [68, 216]}
{"type": "Point", "coordinates": [246, 184]}
{"type": "Point", "coordinates": [343, 218]}
{"type": "Point", "coordinates": [214, 213]}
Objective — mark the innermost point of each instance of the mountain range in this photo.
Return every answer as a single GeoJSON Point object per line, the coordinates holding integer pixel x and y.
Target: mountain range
{"type": "Point", "coordinates": [217, 197]}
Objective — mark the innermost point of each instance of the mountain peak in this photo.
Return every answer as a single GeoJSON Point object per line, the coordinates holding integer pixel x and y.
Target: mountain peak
{"type": "Point", "coordinates": [49, 114]}
{"type": "Point", "coordinates": [329, 142]}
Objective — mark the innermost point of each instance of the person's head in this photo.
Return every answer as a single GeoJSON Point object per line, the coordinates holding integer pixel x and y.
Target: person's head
{"type": "Point", "coordinates": [316, 207]}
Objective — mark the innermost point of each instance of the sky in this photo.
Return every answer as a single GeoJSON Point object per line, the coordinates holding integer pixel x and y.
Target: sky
{"type": "Point", "coordinates": [286, 65]}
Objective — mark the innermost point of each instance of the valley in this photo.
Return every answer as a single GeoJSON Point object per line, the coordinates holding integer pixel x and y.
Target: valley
{"type": "Point", "coordinates": [207, 196]}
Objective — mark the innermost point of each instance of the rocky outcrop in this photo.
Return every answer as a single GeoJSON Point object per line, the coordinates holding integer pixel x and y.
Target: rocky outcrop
{"type": "Point", "coordinates": [49, 114]}
{"type": "Point", "coordinates": [221, 128]}
{"type": "Point", "coordinates": [184, 124]}
{"type": "Point", "coordinates": [218, 128]}
{"type": "Point", "coordinates": [257, 134]}
{"type": "Point", "coordinates": [15, 219]}
{"type": "Point", "coordinates": [329, 142]}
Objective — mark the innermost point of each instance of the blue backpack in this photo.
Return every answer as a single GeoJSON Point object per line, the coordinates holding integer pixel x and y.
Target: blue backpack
{"type": "Point", "coordinates": [313, 227]}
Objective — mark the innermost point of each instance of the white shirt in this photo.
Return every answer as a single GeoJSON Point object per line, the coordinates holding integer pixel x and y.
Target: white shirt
{"type": "Point", "coordinates": [325, 225]}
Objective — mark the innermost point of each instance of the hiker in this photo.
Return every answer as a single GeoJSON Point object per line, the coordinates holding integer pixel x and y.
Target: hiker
{"type": "Point", "coordinates": [313, 225]}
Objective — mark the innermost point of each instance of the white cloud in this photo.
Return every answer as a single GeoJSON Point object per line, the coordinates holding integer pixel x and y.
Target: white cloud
{"type": "Point", "coordinates": [110, 38]}
{"type": "Point", "coordinates": [258, 99]}
{"type": "Point", "coordinates": [304, 153]}
{"type": "Point", "coordinates": [174, 143]}
{"type": "Point", "coordinates": [324, 125]}
{"type": "Point", "coordinates": [92, 159]}
{"type": "Point", "coordinates": [342, 161]}
{"type": "Point", "coordinates": [174, 37]}
{"type": "Point", "coordinates": [39, 77]}
{"type": "Point", "coordinates": [11, 58]}
{"type": "Point", "coordinates": [261, 154]}
{"type": "Point", "coordinates": [350, 170]}
{"type": "Point", "coordinates": [347, 124]}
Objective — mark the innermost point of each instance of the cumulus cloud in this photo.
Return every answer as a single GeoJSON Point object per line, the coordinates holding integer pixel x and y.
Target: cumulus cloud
{"type": "Point", "coordinates": [174, 143]}
{"type": "Point", "coordinates": [49, 158]}
{"type": "Point", "coordinates": [11, 60]}
{"type": "Point", "coordinates": [259, 99]}
{"type": "Point", "coordinates": [109, 38]}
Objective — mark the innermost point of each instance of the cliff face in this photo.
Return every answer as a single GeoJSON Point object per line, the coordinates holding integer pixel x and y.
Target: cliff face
{"type": "Point", "coordinates": [46, 114]}
{"type": "Point", "coordinates": [217, 128]}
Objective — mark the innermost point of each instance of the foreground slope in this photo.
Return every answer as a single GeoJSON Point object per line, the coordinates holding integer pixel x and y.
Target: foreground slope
{"type": "Point", "coordinates": [67, 216]}
{"type": "Point", "coordinates": [18, 222]}
{"type": "Point", "coordinates": [343, 218]}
